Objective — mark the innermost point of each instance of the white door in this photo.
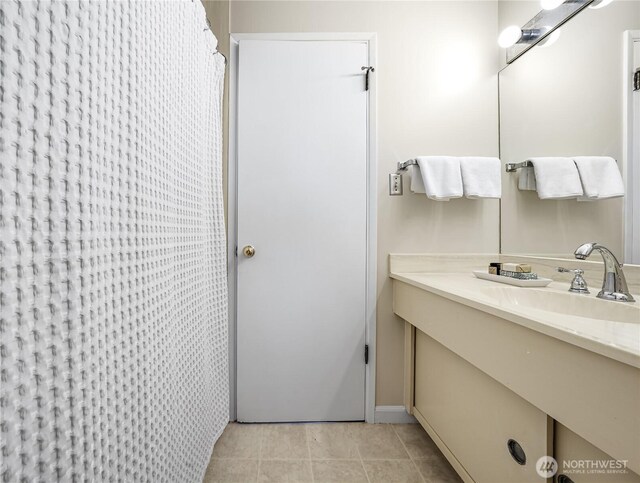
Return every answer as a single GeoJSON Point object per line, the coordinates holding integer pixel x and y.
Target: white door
{"type": "Point", "coordinates": [302, 204]}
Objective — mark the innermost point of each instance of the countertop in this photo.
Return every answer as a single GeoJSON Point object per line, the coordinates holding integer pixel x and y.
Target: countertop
{"type": "Point", "coordinates": [614, 339]}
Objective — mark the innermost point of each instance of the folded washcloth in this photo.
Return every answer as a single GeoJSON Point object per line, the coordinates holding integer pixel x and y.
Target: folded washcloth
{"type": "Point", "coordinates": [526, 179]}
{"type": "Point", "coordinates": [556, 178]}
{"type": "Point", "coordinates": [441, 176]}
{"type": "Point", "coordinates": [600, 177]}
{"type": "Point", "coordinates": [481, 177]}
{"type": "Point", "coordinates": [417, 185]}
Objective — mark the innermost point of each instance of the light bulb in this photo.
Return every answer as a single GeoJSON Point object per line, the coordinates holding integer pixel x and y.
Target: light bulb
{"type": "Point", "coordinates": [509, 36]}
{"type": "Point", "coordinates": [600, 4]}
{"type": "Point", "coordinates": [549, 40]}
{"type": "Point", "coordinates": [550, 4]}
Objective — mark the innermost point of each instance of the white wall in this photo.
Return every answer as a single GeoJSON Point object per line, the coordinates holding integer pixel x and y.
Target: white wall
{"type": "Point", "coordinates": [437, 94]}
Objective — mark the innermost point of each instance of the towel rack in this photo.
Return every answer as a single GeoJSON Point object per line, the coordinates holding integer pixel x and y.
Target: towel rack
{"type": "Point", "coordinates": [512, 167]}
{"type": "Point", "coordinates": [406, 164]}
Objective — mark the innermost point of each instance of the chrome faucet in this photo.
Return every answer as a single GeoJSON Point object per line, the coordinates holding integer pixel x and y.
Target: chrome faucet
{"type": "Point", "coordinates": [578, 284]}
{"type": "Point", "coordinates": [614, 285]}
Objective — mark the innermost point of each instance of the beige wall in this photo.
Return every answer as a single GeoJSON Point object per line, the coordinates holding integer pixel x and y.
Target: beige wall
{"type": "Point", "coordinates": [437, 94]}
{"type": "Point", "coordinates": [561, 101]}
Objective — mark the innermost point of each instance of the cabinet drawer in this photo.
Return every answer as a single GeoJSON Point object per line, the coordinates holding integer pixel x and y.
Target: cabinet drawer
{"type": "Point", "coordinates": [475, 416]}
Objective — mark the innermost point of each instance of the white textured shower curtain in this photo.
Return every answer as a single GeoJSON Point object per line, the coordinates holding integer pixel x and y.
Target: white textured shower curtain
{"type": "Point", "coordinates": [113, 315]}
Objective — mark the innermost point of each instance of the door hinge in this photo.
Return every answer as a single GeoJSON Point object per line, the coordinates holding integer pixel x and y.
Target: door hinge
{"type": "Point", "coordinates": [366, 354]}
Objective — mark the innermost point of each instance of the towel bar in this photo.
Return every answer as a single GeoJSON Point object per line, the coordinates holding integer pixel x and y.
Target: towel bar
{"type": "Point", "coordinates": [512, 167]}
{"type": "Point", "coordinates": [406, 164]}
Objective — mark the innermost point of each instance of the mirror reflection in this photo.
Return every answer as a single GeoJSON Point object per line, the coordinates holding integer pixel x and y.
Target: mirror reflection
{"type": "Point", "coordinates": [563, 101]}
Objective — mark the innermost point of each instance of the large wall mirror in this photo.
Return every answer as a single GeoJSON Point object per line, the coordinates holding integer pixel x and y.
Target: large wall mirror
{"type": "Point", "coordinates": [566, 99]}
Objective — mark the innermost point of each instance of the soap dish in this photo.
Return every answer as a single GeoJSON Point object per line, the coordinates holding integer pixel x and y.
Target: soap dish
{"type": "Point", "coordinates": [537, 282]}
{"type": "Point", "coordinates": [519, 275]}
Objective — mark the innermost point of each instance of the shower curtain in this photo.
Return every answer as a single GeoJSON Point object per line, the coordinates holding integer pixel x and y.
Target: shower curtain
{"type": "Point", "coordinates": [113, 291]}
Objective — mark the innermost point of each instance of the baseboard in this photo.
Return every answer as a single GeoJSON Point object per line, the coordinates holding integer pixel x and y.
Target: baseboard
{"type": "Point", "coordinates": [393, 414]}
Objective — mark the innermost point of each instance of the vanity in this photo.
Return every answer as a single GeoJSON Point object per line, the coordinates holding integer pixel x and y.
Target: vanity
{"type": "Point", "coordinates": [500, 376]}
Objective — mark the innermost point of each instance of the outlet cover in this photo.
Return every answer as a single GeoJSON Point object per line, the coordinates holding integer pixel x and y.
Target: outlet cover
{"type": "Point", "coordinates": [395, 184]}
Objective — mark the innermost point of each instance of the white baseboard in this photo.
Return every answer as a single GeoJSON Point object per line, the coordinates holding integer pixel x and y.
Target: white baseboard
{"type": "Point", "coordinates": [393, 414]}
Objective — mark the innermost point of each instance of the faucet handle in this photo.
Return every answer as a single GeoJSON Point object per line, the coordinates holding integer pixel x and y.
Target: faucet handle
{"type": "Point", "coordinates": [577, 271]}
{"type": "Point", "coordinates": [578, 284]}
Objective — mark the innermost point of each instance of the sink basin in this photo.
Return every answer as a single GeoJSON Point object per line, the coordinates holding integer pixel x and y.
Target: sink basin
{"type": "Point", "coordinates": [565, 303]}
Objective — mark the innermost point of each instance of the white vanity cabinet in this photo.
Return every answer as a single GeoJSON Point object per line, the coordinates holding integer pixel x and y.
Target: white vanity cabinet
{"type": "Point", "coordinates": [478, 376]}
{"type": "Point", "coordinates": [476, 417]}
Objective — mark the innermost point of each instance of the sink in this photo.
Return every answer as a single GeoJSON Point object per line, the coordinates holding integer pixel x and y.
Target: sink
{"type": "Point", "coordinates": [564, 303]}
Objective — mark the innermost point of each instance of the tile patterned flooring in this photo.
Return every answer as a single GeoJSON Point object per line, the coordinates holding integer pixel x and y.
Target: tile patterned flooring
{"type": "Point", "coordinates": [327, 452]}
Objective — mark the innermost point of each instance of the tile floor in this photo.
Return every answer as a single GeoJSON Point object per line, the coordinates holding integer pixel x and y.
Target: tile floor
{"type": "Point", "coordinates": [331, 452]}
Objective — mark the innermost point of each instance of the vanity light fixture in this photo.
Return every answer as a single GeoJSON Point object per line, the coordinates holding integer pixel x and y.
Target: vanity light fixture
{"type": "Point", "coordinates": [551, 39]}
{"type": "Point", "coordinates": [550, 4]}
{"type": "Point", "coordinates": [509, 36]}
{"type": "Point", "coordinates": [513, 35]}
{"type": "Point", "coordinates": [518, 40]}
{"type": "Point", "coordinates": [600, 4]}
{"type": "Point", "coordinates": [553, 4]}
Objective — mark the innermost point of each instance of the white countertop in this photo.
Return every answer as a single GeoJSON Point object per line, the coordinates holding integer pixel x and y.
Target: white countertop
{"type": "Point", "coordinates": [615, 339]}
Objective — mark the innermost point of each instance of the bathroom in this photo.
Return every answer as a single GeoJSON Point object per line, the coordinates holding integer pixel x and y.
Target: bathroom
{"type": "Point", "coordinates": [319, 241]}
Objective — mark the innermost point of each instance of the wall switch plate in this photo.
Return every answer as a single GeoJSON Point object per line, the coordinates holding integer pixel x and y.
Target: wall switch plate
{"type": "Point", "coordinates": [395, 184]}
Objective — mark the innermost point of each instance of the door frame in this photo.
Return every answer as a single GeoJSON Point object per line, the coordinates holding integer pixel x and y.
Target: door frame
{"type": "Point", "coordinates": [232, 192]}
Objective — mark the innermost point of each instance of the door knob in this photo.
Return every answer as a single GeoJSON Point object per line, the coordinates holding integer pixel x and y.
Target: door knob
{"type": "Point", "coordinates": [249, 251]}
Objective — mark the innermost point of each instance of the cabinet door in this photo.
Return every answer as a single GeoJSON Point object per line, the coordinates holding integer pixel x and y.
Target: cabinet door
{"type": "Point", "coordinates": [476, 417]}
{"type": "Point", "coordinates": [581, 462]}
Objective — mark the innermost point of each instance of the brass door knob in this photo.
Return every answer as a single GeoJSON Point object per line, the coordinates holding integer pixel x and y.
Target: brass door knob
{"type": "Point", "coordinates": [249, 251]}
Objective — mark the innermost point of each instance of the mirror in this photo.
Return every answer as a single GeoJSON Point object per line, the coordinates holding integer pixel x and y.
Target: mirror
{"type": "Point", "coordinates": [566, 100]}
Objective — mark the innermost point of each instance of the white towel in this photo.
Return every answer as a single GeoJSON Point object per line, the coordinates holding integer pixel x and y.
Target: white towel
{"type": "Point", "coordinates": [600, 177]}
{"type": "Point", "coordinates": [441, 177]}
{"type": "Point", "coordinates": [556, 178]}
{"type": "Point", "coordinates": [417, 185]}
{"type": "Point", "coordinates": [481, 177]}
{"type": "Point", "coordinates": [526, 179]}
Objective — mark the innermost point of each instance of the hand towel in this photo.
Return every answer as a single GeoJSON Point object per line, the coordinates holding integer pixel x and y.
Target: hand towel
{"type": "Point", "coordinates": [600, 177]}
{"type": "Point", "coordinates": [441, 176]}
{"type": "Point", "coordinates": [481, 177]}
{"type": "Point", "coordinates": [556, 178]}
{"type": "Point", "coordinates": [526, 179]}
{"type": "Point", "coordinates": [417, 185]}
